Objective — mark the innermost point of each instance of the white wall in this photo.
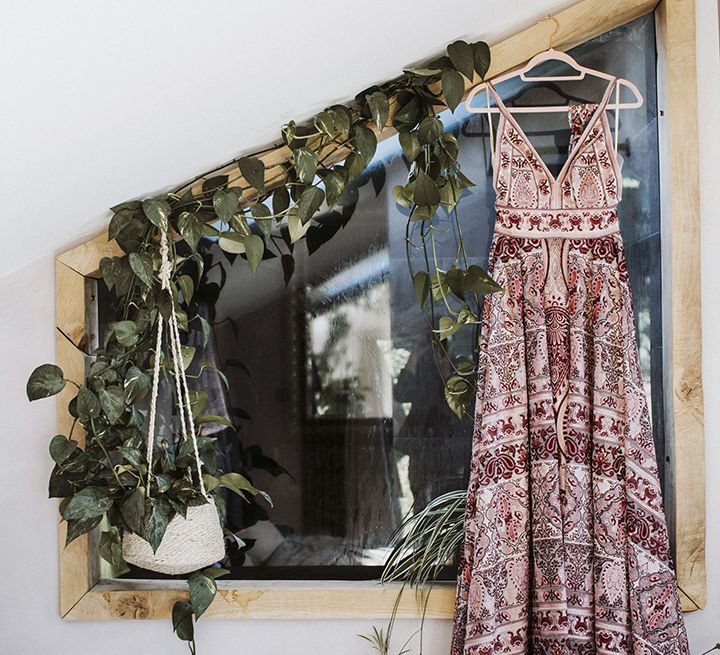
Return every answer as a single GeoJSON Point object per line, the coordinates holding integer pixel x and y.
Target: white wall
{"type": "Point", "coordinates": [91, 105]}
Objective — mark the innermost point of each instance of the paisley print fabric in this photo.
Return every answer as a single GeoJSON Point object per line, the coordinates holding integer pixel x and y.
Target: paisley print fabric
{"type": "Point", "coordinates": [566, 549]}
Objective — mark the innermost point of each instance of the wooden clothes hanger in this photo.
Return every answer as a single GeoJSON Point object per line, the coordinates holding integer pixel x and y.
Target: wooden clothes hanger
{"type": "Point", "coordinates": [552, 55]}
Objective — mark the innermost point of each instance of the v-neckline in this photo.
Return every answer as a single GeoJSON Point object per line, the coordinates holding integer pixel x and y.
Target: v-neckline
{"type": "Point", "coordinates": [572, 153]}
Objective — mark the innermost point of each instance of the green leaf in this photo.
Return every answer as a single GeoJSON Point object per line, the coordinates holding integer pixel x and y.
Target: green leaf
{"type": "Point", "coordinates": [260, 211]}
{"type": "Point", "coordinates": [237, 483]}
{"type": "Point", "coordinates": [453, 88]}
{"type": "Point", "coordinates": [478, 281]}
{"type": "Point", "coordinates": [454, 278]}
{"type": "Point", "coordinates": [430, 129]}
{"type": "Point", "coordinates": [410, 145]}
{"type": "Point", "coordinates": [407, 116]}
{"type": "Point", "coordinates": [61, 448]}
{"type": "Point", "coordinates": [123, 218]}
{"type": "Point", "coordinates": [342, 118]}
{"type": "Point", "coordinates": [334, 184]}
{"type": "Point", "coordinates": [88, 405]}
{"type": "Point", "coordinates": [188, 354]}
{"type": "Point", "coordinates": [190, 226]}
{"type": "Point", "coordinates": [132, 509]}
{"type": "Point", "coordinates": [110, 547]}
{"type": "Point", "coordinates": [88, 503]}
{"type": "Point", "coordinates": [326, 121]}
{"type": "Point", "coordinates": [157, 212]}
{"type": "Point", "coordinates": [159, 512]}
{"type": "Point", "coordinates": [288, 132]}
{"type": "Point", "coordinates": [232, 242]}
{"type": "Point", "coordinates": [137, 384]}
{"type": "Point", "coordinates": [448, 327]}
{"type": "Point", "coordinates": [459, 393]}
{"type": "Point", "coordinates": [187, 286]}
{"type": "Point", "coordinates": [79, 527]}
{"type": "Point", "coordinates": [296, 227]}
{"type": "Point", "coordinates": [253, 170]}
{"type": "Point", "coordinates": [379, 108]}
{"type": "Point", "coordinates": [254, 249]}
{"type": "Point", "coordinates": [481, 58]}
{"type": "Point", "coordinates": [214, 418]}
{"type": "Point", "coordinates": [141, 264]}
{"type": "Point", "coordinates": [225, 204]}
{"type": "Point", "coordinates": [365, 141]}
{"type": "Point", "coordinates": [46, 380]}
{"type": "Point", "coordinates": [126, 332]}
{"type": "Point", "coordinates": [421, 282]}
{"type": "Point", "coordinates": [112, 402]}
{"type": "Point", "coordinates": [461, 56]}
{"type": "Point", "coordinates": [305, 164]}
{"type": "Point", "coordinates": [425, 191]}
{"type": "Point", "coordinates": [402, 195]}
{"type": "Point", "coordinates": [309, 203]}
{"type": "Point", "coordinates": [202, 592]}
{"type": "Point", "coordinates": [182, 620]}
{"type": "Point", "coordinates": [280, 200]}
{"type": "Point", "coordinates": [465, 182]}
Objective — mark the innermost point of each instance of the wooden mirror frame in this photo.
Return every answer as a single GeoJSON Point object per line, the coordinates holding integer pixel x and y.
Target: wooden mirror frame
{"type": "Point", "coordinates": [84, 594]}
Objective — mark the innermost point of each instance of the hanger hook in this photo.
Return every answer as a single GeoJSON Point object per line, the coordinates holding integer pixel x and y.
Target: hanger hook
{"type": "Point", "coordinates": [555, 31]}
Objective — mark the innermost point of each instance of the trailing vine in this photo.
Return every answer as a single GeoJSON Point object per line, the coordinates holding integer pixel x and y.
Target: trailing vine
{"type": "Point", "coordinates": [256, 210]}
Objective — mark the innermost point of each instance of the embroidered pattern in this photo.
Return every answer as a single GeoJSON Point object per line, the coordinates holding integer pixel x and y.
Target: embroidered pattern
{"type": "Point", "coordinates": [566, 548]}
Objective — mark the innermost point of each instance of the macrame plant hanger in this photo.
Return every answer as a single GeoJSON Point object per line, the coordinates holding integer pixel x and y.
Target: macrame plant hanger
{"type": "Point", "coordinates": [552, 55]}
{"type": "Point", "coordinates": [196, 541]}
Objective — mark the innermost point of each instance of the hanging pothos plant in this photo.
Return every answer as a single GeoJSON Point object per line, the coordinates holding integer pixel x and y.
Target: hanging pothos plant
{"type": "Point", "coordinates": [256, 212]}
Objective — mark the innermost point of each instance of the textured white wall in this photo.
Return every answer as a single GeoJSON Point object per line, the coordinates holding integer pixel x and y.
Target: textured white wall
{"type": "Point", "coordinates": [107, 101]}
{"type": "Point", "coordinates": [112, 100]}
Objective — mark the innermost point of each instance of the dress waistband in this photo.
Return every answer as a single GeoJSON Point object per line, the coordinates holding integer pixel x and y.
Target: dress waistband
{"type": "Point", "coordinates": [556, 223]}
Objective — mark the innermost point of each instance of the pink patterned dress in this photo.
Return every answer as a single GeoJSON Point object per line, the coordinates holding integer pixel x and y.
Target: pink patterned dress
{"type": "Point", "coordinates": [566, 548]}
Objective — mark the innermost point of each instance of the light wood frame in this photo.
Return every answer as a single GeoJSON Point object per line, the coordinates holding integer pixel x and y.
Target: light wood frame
{"type": "Point", "coordinates": [85, 595]}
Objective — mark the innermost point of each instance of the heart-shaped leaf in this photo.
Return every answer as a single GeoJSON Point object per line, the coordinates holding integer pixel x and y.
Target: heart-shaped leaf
{"type": "Point", "coordinates": [157, 212]}
{"type": "Point", "coordinates": [190, 226]}
{"type": "Point", "coordinates": [61, 448]}
{"type": "Point", "coordinates": [453, 88]}
{"type": "Point", "coordinates": [425, 191]}
{"type": "Point", "coordinates": [88, 406]}
{"type": "Point", "coordinates": [379, 108]}
{"type": "Point", "coordinates": [126, 332]}
{"type": "Point", "coordinates": [137, 384]}
{"type": "Point", "coordinates": [112, 402]}
{"type": "Point", "coordinates": [254, 250]}
{"type": "Point", "coordinates": [421, 282]}
{"type": "Point", "coordinates": [305, 164]}
{"type": "Point", "coordinates": [88, 503]}
{"type": "Point", "coordinates": [225, 204]}
{"type": "Point", "coordinates": [202, 592]}
{"type": "Point", "coordinates": [46, 380]}
{"type": "Point", "coordinates": [141, 264]}
{"type": "Point", "coordinates": [461, 56]}
{"type": "Point", "coordinates": [253, 170]}
{"type": "Point", "coordinates": [481, 58]}
{"type": "Point", "coordinates": [410, 145]}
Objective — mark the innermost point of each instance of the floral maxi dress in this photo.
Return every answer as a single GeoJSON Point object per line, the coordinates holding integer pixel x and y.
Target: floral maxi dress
{"type": "Point", "coordinates": [566, 549]}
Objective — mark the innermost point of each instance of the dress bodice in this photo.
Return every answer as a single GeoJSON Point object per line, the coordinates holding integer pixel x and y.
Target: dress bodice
{"type": "Point", "coordinates": [588, 185]}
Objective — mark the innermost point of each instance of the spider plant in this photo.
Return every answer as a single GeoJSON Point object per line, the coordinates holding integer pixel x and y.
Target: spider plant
{"type": "Point", "coordinates": [423, 544]}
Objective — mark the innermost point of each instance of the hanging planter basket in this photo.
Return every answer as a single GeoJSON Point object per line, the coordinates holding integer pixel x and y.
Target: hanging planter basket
{"type": "Point", "coordinates": [189, 544]}
{"type": "Point", "coordinates": [195, 541]}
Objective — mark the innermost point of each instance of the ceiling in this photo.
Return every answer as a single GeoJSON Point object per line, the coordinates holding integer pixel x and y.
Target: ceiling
{"type": "Point", "coordinates": [102, 102]}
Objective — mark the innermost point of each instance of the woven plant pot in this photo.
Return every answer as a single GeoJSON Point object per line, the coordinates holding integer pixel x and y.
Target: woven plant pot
{"type": "Point", "coordinates": [188, 544]}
